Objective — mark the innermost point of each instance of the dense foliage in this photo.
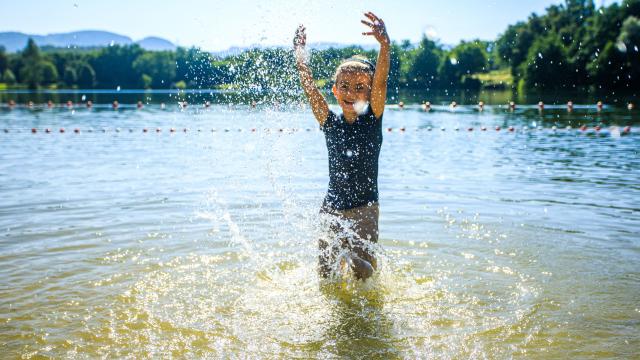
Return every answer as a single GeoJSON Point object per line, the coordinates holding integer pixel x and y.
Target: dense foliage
{"type": "Point", "coordinates": [573, 45]}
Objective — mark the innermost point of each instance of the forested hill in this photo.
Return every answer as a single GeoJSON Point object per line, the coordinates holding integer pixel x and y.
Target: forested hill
{"type": "Point", "coordinates": [575, 45]}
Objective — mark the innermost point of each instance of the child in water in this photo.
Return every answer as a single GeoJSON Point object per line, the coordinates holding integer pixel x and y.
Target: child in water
{"type": "Point", "coordinates": [353, 139]}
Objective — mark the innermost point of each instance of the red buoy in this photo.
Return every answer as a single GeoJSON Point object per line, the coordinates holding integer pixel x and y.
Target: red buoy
{"type": "Point", "coordinates": [511, 128]}
{"type": "Point", "coordinates": [34, 130]}
{"type": "Point", "coordinates": [627, 129]}
{"type": "Point", "coordinates": [497, 128]}
{"type": "Point", "coordinates": [583, 128]}
{"type": "Point", "coordinates": [61, 130]}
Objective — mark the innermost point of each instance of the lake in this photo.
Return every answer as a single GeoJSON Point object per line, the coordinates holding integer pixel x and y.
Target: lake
{"type": "Point", "coordinates": [191, 232]}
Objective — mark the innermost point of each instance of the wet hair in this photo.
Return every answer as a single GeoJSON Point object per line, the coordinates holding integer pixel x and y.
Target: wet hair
{"type": "Point", "coordinates": [355, 63]}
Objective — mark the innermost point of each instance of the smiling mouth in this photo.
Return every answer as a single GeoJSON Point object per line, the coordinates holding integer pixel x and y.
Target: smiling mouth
{"type": "Point", "coordinates": [350, 103]}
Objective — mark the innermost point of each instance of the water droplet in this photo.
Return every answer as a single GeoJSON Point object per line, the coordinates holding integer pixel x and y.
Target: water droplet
{"type": "Point", "coordinates": [540, 55]}
{"type": "Point", "coordinates": [118, 88]}
{"type": "Point", "coordinates": [84, 97]}
{"type": "Point", "coordinates": [349, 153]}
{"type": "Point", "coordinates": [361, 107]}
{"type": "Point", "coordinates": [454, 61]}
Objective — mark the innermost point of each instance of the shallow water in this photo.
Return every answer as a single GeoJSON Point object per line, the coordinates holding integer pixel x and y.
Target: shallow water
{"type": "Point", "coordinates": [494, 244]}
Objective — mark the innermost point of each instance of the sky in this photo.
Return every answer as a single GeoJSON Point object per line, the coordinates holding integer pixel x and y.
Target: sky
{"type": "Point", "coordinates": [219, 24]}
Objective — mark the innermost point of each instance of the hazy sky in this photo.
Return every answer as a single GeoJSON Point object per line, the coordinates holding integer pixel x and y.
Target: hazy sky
{"type": "Point", "coordinates": [219, 24]}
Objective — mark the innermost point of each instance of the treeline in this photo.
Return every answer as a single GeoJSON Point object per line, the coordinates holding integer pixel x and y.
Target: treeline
{"type": "Point", "coordinates": [573, 45]}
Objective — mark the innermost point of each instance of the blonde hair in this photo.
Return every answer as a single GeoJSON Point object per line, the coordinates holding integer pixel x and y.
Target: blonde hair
{"type": "Point", "coordinates": [355, 64]}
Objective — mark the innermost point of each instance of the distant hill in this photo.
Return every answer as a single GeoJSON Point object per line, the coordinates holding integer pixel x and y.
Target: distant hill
{"type": "Point", "coordinates": [156, 44]}
{"type": "Point", "coordinates": [16, 41]}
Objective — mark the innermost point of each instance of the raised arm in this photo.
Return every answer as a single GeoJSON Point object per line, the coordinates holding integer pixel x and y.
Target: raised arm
{"type": "Point", "coordinates": [379, 85]}
{"type": "Point", "coordinates": [316, 100]}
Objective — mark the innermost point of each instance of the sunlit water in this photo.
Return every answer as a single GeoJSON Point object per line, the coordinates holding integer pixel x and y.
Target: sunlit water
{"type": "Point", "coordinates": [203, 244]}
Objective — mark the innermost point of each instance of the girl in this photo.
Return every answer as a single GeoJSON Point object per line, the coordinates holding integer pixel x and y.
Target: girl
{"type": "Point", "coordinates": [354, 139]}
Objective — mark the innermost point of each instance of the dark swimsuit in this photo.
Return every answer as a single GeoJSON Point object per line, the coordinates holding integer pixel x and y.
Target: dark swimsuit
{"type": "Point", "coordinates": [353, 160]}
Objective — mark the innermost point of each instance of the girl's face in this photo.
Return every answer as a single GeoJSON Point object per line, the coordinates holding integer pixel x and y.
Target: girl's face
{"type": "Point", "coordinates": [353, 91]}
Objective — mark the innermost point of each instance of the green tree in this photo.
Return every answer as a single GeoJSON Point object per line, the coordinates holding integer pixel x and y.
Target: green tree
{"type": "Point", "coordinates": [49, 74]}
{"type": "Point", "coordinates": [70, 77]}
{"type": "Point", "coordinates": [462, 61]}
{"type": "Point", "coordinates": [4, 60]}
{"type": "Point", "coordinates": [630, 34]}
{"type": "Point", "coordinates": [158, 66]}
{"type": "Point", "coordinates": [86, 76]}
{"type": "Point", "coordinates": [113, 66]}
{"type": "Point", "coordinates": [8, 77]}
{"type": "Point", "coordinates": [547, 65]}
{"type": "Point", "coordinates": [423, 70]}
{"type": "Point", "coordinates": [31, 71]}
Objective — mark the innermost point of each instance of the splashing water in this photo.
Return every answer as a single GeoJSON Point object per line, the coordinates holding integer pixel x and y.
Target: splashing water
{"type": "Point", "coordinates": [361, 107]}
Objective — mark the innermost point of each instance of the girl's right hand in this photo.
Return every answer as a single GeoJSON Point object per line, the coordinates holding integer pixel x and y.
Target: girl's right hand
{"type": "Point", "coordinates": [300, 40]}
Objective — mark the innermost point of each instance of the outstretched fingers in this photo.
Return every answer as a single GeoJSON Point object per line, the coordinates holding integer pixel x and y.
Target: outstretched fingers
{"type": "Point", "coordinates": [301, 36]}
{"type": "Point", "coordinates": [371, 16]}
{"type": "Point", "coordinates": [367, 23]}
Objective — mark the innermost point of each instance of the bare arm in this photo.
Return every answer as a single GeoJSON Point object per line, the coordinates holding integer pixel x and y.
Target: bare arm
{"type": "Point", "coordinates": [316, 100]}
{"type": "Point", "coordinates": [379, 85]}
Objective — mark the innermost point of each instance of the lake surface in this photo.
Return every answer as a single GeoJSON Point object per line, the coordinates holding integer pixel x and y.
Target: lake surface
{"type": "Point", "coordinates": [116, 242]}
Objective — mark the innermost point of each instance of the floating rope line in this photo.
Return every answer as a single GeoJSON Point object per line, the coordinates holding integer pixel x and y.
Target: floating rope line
{"type": "Point", "coordinates": [483, 129]}
{"type": "Point", "coordinates": [426, 106]}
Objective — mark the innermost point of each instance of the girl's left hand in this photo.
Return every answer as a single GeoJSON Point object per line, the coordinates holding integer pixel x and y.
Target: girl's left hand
{"type": "Point", "coordinates": [378, 30]}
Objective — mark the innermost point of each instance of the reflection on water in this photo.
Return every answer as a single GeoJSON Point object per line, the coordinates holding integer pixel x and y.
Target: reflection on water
{"type": "Point", "coordinates": [203, 244]}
